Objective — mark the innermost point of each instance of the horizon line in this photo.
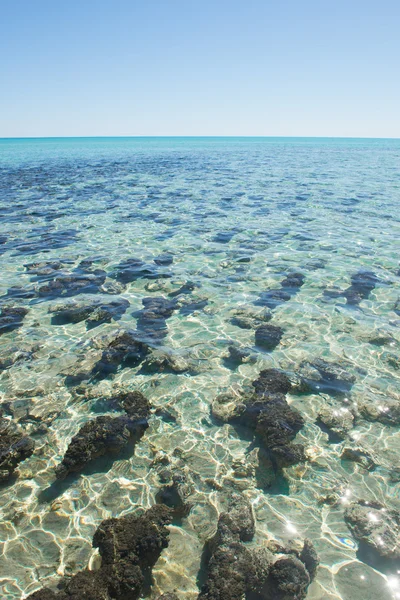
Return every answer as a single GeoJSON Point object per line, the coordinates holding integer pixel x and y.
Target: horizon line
{"type": "Point", "coordinates": [339, 137]}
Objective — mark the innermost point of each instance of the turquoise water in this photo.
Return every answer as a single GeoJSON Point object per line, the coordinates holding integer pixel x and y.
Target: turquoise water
{"type": "Point", "coordinates": [236, 215]}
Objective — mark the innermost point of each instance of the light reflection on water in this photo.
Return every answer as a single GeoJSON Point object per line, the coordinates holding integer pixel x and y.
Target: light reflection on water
{"type": "Point", "coordinates": [324, 208]}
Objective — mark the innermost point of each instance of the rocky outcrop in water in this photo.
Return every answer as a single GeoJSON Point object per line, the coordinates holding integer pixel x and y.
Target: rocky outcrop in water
{"type": "Point", "coordinates": [236, 571]}
{"type": "Point", "coordinates": [289, 287]}
{"type": "Point", "coordinates": [92, 310]}
{"type": "Point", "coordinates": [129, 548]}
{"type": "Point", "coordinates": [268, 336]}
{"type": "Point", "coordinates": [337, 421]}
{"type": "Point", "coordinates": [106, 435]}
{"type": "Point", "coordinates": [151, 320]}
{"type": "Point", "coordinates": [132, 269]}
{"type": "Point", "coordinates": [320, 375]}
{"type": "Point", "coordinates": [247, 318]}
{"type": "Point", "coordinates": [106, 354]}
{"type": "Point", "coordinates": [268, 415]}
{"type": "Point", "coordinates": [362, 284]}
{"type": "Point", "coordinates": [11, 318]}
{"type": "Point", "coordinates": [376, 527]}
{"type": "Point", "coordinates": [15, 447]}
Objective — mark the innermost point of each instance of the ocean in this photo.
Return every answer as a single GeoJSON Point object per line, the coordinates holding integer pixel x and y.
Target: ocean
{"type": "Point", "coordinates": [183, 268]}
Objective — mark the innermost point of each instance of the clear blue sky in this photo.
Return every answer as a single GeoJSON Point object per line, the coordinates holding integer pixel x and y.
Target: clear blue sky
{"type": "Point", "coordinates": [207, 67]}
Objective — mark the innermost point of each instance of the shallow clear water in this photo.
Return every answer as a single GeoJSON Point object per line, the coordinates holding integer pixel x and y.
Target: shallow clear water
{"type": "Point", "coordinates": [326, 208]}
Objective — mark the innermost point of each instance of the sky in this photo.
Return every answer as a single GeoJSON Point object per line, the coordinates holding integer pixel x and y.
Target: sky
{"type": "Point", "coordinates": [212, 67]}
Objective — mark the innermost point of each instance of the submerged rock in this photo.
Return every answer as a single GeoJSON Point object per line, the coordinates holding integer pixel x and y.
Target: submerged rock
{"type": "Point", "coordinates": [360, 456]}
{"type": "Point", "coordinates": [386, 411]}
{"type": "Point", "coordinates": [129, 548]}
{"type": "Point", "coordinates": [268, 415]}
{"type": "Point", "coordinates": [268, 336]}
{"type": "Point", "coordinates": [338, 422]}
{"type": "Point", "coordinates": [375, 526]}
{"type": "Point", "coordinates": [289, 287]}
{"type": "Point", "coordinates": [362, 284]}
{"type": "Point", "coordinates": [247, 318]}
{"type": "Point", "coordinates": [15, 447]}
{"type": "Point", "coordinates": [92, 310]}
{"type": "Point", "coordinates": [103, 435]}
{"type": "Point", "coordinates": [132, 269]}
{"type": "Point", "coordinates": [151, 320]}
{"type": "Point", "coordinates": [11, 318]}
{"type": "Point", "coordinates": [323, 376]}
{"type": "Point", "coordinates": [236, 571]}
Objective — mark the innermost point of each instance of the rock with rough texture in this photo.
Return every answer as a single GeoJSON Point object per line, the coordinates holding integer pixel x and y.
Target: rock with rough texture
{"type": "Point", "coordinates": [14, 448]}
{"type": "Point", "coordinates": [288, 580]}
{"type": "Point", "coordinates": [175, 496]}
{"type": "Point", "coordinates": [132, 269]}
{"type": "Point", "coordinates": [159, 361]}
{"type": "Point", "coordinates": [272, 381]}
{"type": "Point", "coordinates": [289, 287]}
{"type": "Point", "coordinates": [338, 422]}
{"type": "Point", "coordinates": [129, 548]}
{"type": "Point", "coordinates": [11, 318]}
{"type": "Point", "coordinates": [375, 526]}
{"type": "Point", "coordinates": [169, 596]}
{"type": "Point", "coordinates": [103, 435]}
{"type": "Point", "coordinates": [268, 336]}
{"type": "Point", "coordinates": [236, 571]}
{"type": "Point", "coordinates": [92, 310]}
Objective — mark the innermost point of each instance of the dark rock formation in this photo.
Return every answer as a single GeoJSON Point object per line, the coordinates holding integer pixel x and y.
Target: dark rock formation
{"type": "Point", "coordinates": [175, 496]}
{"type": "Point", "coordinates": [375, 526]}
{"type": "Point", "coordinates": [14, 448]}
{"type": "Point", "coordinates": [132, 269]}
{"type": "Point", "coordinates": [129, 548]}
{"type": "Point", "coordinates": [362, 284]}
{"type": "Point", "coordinates": [106, 434]}
{"type": "Point", "coordinates": [80, 280]}
{"type": "Point", "coordinates": [272, 381]}
{"type": "Point", "coordinates": [92, 310]}
{"type": "Point", "coordinates": [11, 318]}
{"type": "Point", "coordinates": [237, 572]}
{"type": "Point", "coordinates": [268, 415]}
{"type": "Point", "coordinates": [152, 319]}
{"type": "Point", "coordinates": [268, 336]}
{"type": "Point", "coordinates": [120, 348]}
{"type": "Point", "coordinates": [289, 287]}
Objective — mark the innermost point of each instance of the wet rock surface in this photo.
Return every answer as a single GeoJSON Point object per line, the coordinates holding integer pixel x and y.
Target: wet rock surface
{"type": "Point", "coordinates": [129, 548]}
{"type": "Point", "coordinates": [15, 447]}
{"type": "Point", "coordinates": [268, 416]}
